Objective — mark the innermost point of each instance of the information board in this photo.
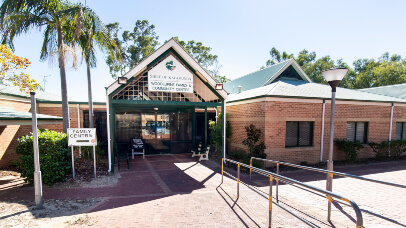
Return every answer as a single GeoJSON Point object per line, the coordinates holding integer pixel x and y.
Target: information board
{"type": "Point", "coordinates": [170, 76]}
{"type": "Point", "coordinates": [137, 143]}
{"type": "Point", "coordinates": [82, 137]}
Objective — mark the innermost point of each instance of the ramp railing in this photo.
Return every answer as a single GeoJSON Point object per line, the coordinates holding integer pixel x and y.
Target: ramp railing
{"type": "Point", "coordinates": [332, 173]}
{"type": "Point", "coordinates": [324, 193]}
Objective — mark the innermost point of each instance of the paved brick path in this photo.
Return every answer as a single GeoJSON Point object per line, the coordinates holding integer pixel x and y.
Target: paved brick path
{"type": "Point", "coordinates": [178, 191]}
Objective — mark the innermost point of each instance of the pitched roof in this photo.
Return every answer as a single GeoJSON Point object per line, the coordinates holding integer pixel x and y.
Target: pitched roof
{"type": "Point", "coordinates": [40, 95]}
{"type": "Point", "coordinates": [200, 71]}
{"type": "Point", "coordinates": [263, 77]}
{"type": "Point", "coordinates": [10, 113]}
{"type": "Point", "coordinates": [303, 89]}
{"type": "Point", "coordinates": [398, 90]}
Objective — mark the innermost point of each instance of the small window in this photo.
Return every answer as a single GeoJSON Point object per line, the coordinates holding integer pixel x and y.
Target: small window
{"type": "Point", "coordinates": [299, 134]}
{"type": "Point", "coordinates": [357, 131]}
{"type": "Point", "coordinates": [400, 131]}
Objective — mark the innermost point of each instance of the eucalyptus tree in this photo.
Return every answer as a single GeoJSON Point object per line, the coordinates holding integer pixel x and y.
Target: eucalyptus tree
{"type": "Point", "coordinates": [56, 17]}
{"type": "Point", "coordinates": [93, 33]}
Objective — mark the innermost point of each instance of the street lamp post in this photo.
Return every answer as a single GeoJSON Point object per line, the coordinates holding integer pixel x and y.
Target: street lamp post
{"type": "Point", "coordinates": [333, 77]}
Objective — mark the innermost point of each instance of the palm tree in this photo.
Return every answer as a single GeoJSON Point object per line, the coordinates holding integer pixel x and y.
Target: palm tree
{"type": "Point", "coordinates": [94, 32]}
{"type": "Point", "coordinates": [56, 16]}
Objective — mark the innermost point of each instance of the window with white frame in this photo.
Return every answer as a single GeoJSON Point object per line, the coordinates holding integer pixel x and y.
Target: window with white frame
{"type": "Point", "coordinates": [357, 131]}
{"type": "Point", "coordinates": [400, 131]}
{"type": "Point", "coordinates": [299, 133]}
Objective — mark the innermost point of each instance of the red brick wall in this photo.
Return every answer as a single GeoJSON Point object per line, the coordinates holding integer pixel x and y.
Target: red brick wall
{"type": "Point", "coordinates": [272, 116]}
{"type": "Point", "coordinates": [10, 134]}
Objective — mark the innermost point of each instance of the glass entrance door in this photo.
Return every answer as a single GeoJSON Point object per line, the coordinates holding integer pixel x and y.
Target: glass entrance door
{"type": "Point", "coordinates": [156, 130]}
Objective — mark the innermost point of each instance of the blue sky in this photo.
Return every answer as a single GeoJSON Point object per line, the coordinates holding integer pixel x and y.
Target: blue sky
{"type": "Point", "coordinates": [241, 33]}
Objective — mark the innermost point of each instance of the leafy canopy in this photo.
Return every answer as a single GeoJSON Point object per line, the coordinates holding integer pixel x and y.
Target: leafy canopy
{"type": "Point", "coordinates": [203, 56]}
{"type": "Point", "coordinates": [11, 68]}
{"type": "Point", "coordinates": [366, 73]}
{"type": "Point", "coordinates": [134, 46]}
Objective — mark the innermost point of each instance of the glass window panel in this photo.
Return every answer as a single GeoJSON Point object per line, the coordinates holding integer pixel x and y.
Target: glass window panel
{"type": "Point", "coordinates": [305, 133]}
{"type": "Point", "coordinates": [360, 132]}
{"type": "Point", "coordinates": [148, 126]}
{"type": "Point", "coordinates": [398, 132]}
{"type": "Point", "coordinates": [181, 126]}
{"type": "Point", "coordinates": [128, 125]}
{"type": "Point", "coordinates": [291, 134]}
{"type": "Point", "coordinates": [351, 131]}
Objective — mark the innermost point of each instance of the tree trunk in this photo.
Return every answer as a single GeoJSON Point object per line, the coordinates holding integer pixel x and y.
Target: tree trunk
{"type": "Point", "coordinates": [64, 91]}
{"type": "Point", "coordinates": [89, 92]}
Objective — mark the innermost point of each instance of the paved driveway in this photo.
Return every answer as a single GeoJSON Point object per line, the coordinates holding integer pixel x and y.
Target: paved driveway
{"type": "Point", "coordinates": [179, 191]}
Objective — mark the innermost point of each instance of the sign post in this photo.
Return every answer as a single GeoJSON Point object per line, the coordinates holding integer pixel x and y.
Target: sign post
{"type": "Point", "coordinates": [82, 137]}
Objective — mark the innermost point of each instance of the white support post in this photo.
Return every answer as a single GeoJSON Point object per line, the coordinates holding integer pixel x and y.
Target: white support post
{"type": "Point", "coordinates": [108, 132]}
{"type": "Point", "coordinates": [390, 127]}
{"type": "Point", "coordinates": [80, 148]}
{"type": "Point", "coordinates": [322, 131]}
{"type": "Point", "coordinates": [37, 172]}
{"type": "Point", "coordinates": [224, 129]}
{"type": "Point", "coordinates": [94, 160]}
{"type": "Point", "coordinates": [73, 163]}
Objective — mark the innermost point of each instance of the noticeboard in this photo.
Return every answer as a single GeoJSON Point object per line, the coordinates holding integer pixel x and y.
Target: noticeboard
{"type": "Point", "coordinates": [82, 137]}
{"type": "Point", "coordinates": [137, 143]}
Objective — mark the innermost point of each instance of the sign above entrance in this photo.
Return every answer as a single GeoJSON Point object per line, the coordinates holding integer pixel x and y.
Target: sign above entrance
{"type": "Point", "coordinates": [82, 137]}
{"type": "Point", "coordinates": [170, 76]}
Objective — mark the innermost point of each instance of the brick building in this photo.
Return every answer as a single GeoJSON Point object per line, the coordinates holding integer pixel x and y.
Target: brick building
{"type": "Point", "coordinates": [15, 117]}
{"type": "Point", "coordinates": [281, 100]}
{"type": "Point", "coordinates": [291, 111]}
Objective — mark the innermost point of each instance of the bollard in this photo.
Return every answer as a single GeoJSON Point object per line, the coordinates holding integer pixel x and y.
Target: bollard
{"type": "Point", "coordinates": [270, 200]}
{"type": "Point", "coordinates": [222, 168]}
{"type": "Point", "coordinates": [238, 181]}
{"type": "Point", "coordinates": [277, 183]}
{"type": "Point", "coordinates": [329, 188]}
{"type": "Point", "coordinates": [250, 168]}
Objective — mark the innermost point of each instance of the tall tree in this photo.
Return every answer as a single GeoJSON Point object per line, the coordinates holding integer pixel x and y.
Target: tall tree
{"type": "Point", "coordinates": [203, 56]}
{"type": "Point", "coordinates": [93, 33]}
{"type": "Point", "coordinates": [134, 46]}
{"type": "Point", "coordinates": [56, 16]}
{"type": "Point", "coordinates": [12, 68]}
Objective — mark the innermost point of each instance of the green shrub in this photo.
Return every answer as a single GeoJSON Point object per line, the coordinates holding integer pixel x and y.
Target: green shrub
{"type": "Point", "coordinates": [253, 136]}
{"type": "Point", "coordinates": [350, 149]}
{"type": "Point", "coordinates": [54, 156]}
{"type": "Point", "coordinates": [87, 152]}
{"type": "Point", "coordinates": [238, 155]}
{"type": "Point", "coordinates": [379, 149]}
{"type": "Point", "coordinates": [397, 147]}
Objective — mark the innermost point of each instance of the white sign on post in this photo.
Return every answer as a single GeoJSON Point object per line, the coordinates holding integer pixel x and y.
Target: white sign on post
{"type": "Point", "coordinates": [82, 137]}
{"type": "Point", "coordinates": [170, 76]}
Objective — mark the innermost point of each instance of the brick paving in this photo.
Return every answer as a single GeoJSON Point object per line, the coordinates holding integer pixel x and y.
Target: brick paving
{"type": "Point", "coordinates": [179, 191]}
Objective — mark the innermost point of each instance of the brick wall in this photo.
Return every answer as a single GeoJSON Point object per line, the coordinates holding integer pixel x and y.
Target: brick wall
{"type": "Point", "coordinates": [10, 134]}
{"type": "Point", "coordinates": [271, 116]}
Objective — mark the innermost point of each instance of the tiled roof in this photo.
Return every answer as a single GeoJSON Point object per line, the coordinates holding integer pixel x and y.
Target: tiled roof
{"type": "Point", "coordinates": [39, 95]}
{"type": "Point", "coordinates": [255, 79]}
{"type": "Point", "coordinates": [7, 113]}
{"type": "Point", "coordinates": [398, 90]}
{"type": "Point", "coordinates": [302, 89]}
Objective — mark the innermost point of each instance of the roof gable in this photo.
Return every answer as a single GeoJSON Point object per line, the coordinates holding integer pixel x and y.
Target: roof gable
{"type": "Point", "coordinates": [303, 89]}
{"type": "Point", "coordinates": [267, 76]}
{"type": "Point", "coordinates": [178, 49]}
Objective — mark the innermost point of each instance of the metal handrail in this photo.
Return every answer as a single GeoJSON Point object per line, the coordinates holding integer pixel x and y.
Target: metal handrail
{"type": "Point", "coordinates": [333, 173]}
{"type": "Point", "coordinates": [330, 195]}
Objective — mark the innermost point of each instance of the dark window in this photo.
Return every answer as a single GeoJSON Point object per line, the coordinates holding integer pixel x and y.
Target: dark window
{"type": "Point", "coordinates": [357, 131]}
{"type": "Point", "coordinates": [100, 123]}
{"type": "Point", "coordinates": [400, 131]}
{"type": "Point", "coordinates": [299, 134]}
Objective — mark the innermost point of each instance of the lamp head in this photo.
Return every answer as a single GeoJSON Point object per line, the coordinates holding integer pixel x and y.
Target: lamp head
{"type": "Point", "coordinates": [334, 76]}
